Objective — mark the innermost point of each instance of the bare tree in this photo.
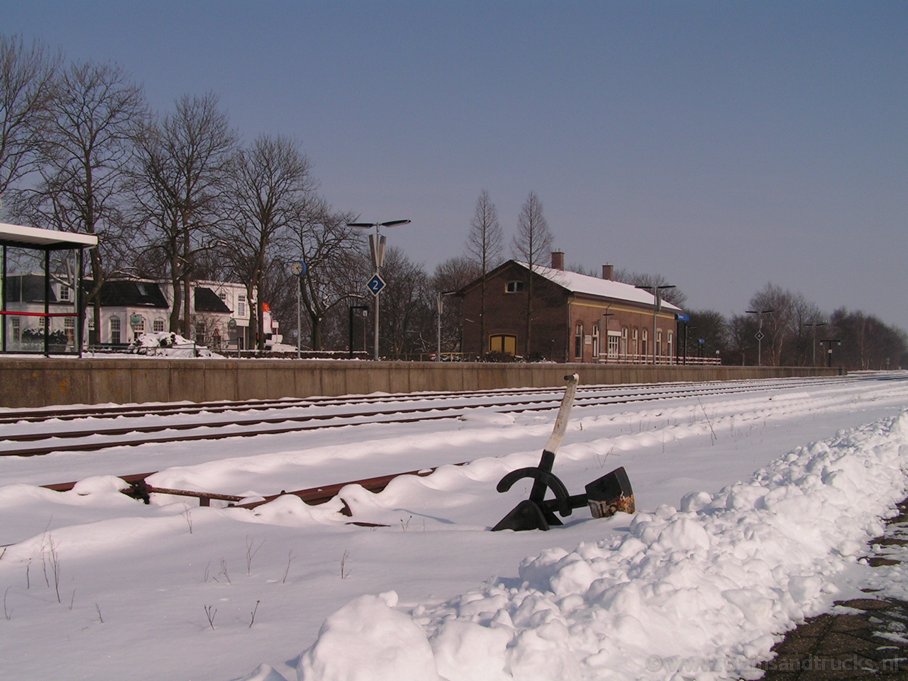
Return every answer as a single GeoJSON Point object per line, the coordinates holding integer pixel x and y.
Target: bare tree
{"type": "Point", "coordinates": [674, 295]}
{"type": "Point", "coordinates": [532, 244]}
{"type": "Point", "coordinates": [177, 184]}
{"type": "Point", "coordinates": [484, 247]}
{"type": "Point", "coordinates": [82, 165]}
{"type": "Point", "coordinates": [270, 186]}
{"type": "Point", "coordinates": [452, 275]}
{"type": "Point", "coordinates": [27, 77]}
{"type": "Point", "coordinates": [776, 307]}
{"type": "Point", "coordinates": [334, 269]}
{"type": "Point", "coordinates": [706, 335]}
{"type": "Point", "coordinates": [860, 341]}
{"type": "Point", "coordinates": [407, 307]}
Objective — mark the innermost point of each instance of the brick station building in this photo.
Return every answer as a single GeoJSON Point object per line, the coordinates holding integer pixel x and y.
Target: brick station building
{"type": "Point", "coordinates": [574, 317]}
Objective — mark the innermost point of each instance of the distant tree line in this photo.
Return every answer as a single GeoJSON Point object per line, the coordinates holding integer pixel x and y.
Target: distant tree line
{"type": "Point", "coordinates": [178, 196]}
{"type": "Point", "coordinates": [796, 332]}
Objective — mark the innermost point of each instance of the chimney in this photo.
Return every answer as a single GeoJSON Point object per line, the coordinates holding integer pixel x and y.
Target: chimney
{"type": "Point", "coordinates": [608, 272]}
{"type": "Point", "coordinates": [558, 260]}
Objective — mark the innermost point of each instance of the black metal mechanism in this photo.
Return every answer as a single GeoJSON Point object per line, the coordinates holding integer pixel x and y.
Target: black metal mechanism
{"type": "Point", "coordinates": [605, 496]}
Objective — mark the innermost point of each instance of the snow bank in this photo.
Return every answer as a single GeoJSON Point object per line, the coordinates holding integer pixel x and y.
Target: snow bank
{"type": "Point", "coordinates": [168, 344]}
{"type": "Point", "coordinates": [690, 593]}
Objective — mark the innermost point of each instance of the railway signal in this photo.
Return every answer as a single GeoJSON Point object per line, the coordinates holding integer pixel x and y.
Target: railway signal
{"type": "Point", "coordinates": [605, 496]}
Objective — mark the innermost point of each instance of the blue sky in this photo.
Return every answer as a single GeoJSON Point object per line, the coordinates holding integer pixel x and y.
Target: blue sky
{"type": "Point", "coordinates": [724, 145]}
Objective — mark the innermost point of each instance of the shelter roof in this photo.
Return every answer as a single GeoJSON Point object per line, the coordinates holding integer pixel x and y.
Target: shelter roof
{"type": "Point", "coordinates": [45, 238]}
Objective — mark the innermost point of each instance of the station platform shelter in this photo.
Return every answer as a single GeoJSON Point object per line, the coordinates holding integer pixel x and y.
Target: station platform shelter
{"type": "Point", "coordinates": [42, 307]}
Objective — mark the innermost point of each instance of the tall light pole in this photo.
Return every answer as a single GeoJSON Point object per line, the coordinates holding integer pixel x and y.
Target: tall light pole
{"type": "Point", "coordinates": [814, 325]}
{"type": "Point", "coordinates": [377, 248]}
{"type": "Point", "coordinates": [605, 316]}
{"type": "Point", "coordinates": [759, 334]}
{"type": "Point", "coordinates": [829, 342]}
{"type": "Point", "coordinates": [657, 305]}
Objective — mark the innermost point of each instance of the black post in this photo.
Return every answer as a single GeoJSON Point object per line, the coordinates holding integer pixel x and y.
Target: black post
{"type": "Point", "coordinates": [352, 308]}
{"type": "Point", "coordinates": [350, 340]}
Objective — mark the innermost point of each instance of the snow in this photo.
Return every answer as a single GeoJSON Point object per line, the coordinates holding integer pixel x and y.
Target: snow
{"type": "Point", "coordinates": [170, 345]}
{"type": "Point", "coordinates": [753, 512]}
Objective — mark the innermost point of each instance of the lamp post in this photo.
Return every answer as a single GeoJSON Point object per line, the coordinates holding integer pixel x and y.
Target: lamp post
{"type": "Point", "coordinates": [814, 325]}
{"type": "Point", "coordinates": [759, 334]}
{"type": "Point", "coordinates": [377, 248]}
{"type": "Point", "coordinates": [606, 315]}
{"type": "Point", "coordinates": [657, 305]}
{"type": "Point", "coordinates": [829, 342]}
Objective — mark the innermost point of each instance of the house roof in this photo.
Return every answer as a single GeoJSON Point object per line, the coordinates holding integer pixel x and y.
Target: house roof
{"type": "Point", "coordinates": [600, 288]}
{"type": "Point", "coordinates": [583, 284]}
{"type": "Point", "coordinates": [207, 300]}
{"type": "Point", "coordinates": [124, 293]}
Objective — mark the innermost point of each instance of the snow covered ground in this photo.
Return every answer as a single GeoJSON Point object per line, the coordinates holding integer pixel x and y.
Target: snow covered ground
{"type": "Point", "coordinates": [753, 513]}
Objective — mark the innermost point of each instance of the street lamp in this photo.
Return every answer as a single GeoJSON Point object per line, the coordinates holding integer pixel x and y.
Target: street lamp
{"type": "Point", "coordinates": [377, 248]}
{"type": "Point", "coordinates": [829, 342]}
{"type": "Point", "coordinates": [606, 315]}
{"type": "Point", "coordinates": [759, 334]}
{"type": "Point", "coordinates": [814, 325]}
{"type": "Point", "coordinates": [657, 305]}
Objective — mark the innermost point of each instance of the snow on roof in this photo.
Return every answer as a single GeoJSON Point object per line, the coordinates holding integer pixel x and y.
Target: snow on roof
{"type": "Point", "coordinates": [594, 286]}
{"type": "Point", "coordinates": [44, 237]}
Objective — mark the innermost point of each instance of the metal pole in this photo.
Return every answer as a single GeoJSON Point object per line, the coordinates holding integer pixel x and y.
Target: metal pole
{"type": "Point", "coordinates": [760, 314]}
{"type": "Point", "coordinates": [438, 349]}
{"type": "Point", "coordinates": [760, 342]}
{"type": "Point", "coordinates": [377, 252]}
{"type": "Point", "coordinates": [377, 297]}
{"type": "Point", "coordinates": [299, 320]}
{"type": "Point", "coordinates": [350, 354]}
{"type": "Point", "coordinates": [655, 308]}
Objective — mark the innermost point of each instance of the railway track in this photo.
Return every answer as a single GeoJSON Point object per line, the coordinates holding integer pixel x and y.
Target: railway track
{"type": "Point", "coordinates": [385, 409]}
{"type": "Point", "coordinates": [20, 434]}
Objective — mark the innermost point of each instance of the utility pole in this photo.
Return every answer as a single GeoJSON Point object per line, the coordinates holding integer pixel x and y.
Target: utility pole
{"type": "Point", "coordinates": [759, 335]}
{"type": "Point", "coordinates": [657, 305]}
{"type": "Point", "coordinates": [814, 325]}
{"type": "Point", "coordinates": [377, 248]}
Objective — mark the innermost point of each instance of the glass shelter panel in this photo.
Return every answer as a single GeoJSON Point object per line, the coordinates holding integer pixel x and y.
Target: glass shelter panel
{"type": "Point", "coordinates": [39, 300]}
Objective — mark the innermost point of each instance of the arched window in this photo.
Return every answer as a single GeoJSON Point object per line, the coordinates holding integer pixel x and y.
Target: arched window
{"type": "Point", "coordinates": [578, 340]}
{"type": "Point", "coordinates": [595, 343]}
